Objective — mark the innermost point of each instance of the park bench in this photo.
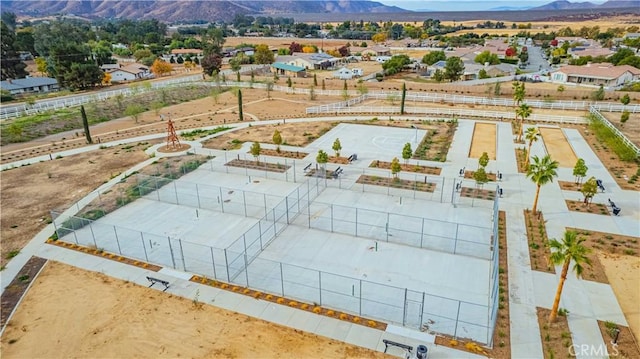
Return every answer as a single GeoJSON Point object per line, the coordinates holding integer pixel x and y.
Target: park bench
{"type": "Point", "coordinates": [156, 280]}
{"type": "Point", "coordinates": [386, 342]}
{"type": "Point", "coordinates": [307, 167]}
{"type": "Point", "coordinates": [352, 158]}
{"type": "Point", "coordinates": [614, 209]}
{"type": "Point", "coordinates": [500, 192]}
{"type": "Point", "coordinates": [600, 185]}
{"type": "Point", "coordinates": [461, 172]}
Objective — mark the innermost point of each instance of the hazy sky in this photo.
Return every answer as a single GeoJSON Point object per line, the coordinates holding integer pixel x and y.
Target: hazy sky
{"type": "Point", "coordinates": [467, 5]}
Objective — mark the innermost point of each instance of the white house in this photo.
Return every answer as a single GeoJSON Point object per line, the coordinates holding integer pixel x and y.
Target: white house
{"type": "Point", "coordinates": [129, 73]}
{"type": "Point", "coordinates": [343, 74]}
{"type": "Point", "coordinates": [604, 74]}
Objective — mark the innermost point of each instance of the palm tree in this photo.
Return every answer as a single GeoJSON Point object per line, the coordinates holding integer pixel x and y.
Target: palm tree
{"type": "Point", "coordinates": [565, 251]}
{"type": "Point", "coordinates": [524, 111]}
{"type": "Point", "coordinates": [518, 95]}
{"type": "Point", "coordinates": [541, 171]}
{"type": "Point", "coordinates": [532, 135]}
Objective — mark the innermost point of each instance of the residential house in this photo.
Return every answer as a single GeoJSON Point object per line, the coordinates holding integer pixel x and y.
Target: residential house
{"type": "Point", "coordinates": [130, 72]}
{"type": "Point", "coordinates": [343, 74]}
{"type": "Point", "coordinates": [29, 85]}
{"type": "Point", "coordinates": [185, 52]}
{"type": "Point", "coordinates": [605, 74]}
{"type": "Point", "coordinates": [381, 50]}
{"type": "Point", "coordinates": [283, 69]}
{"type": "Point", "coordinates": [577, 52]}
{"type": "Point", "coordinates": [315, 61]}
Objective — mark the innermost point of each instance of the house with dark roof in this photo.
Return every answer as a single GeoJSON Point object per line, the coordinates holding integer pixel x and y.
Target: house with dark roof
{"type": "Point", "coordinates": [315, 61]}
{"type": "Point", "coordinates": [605, 74]}
{"type": "Point", "coordinates": [30, 85]}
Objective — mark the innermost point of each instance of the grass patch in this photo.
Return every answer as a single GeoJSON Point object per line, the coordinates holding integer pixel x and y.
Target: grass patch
{"type": "Point", "coordinates": [191, 135]}
{"type": "Point", "coordinates": [609, 137]}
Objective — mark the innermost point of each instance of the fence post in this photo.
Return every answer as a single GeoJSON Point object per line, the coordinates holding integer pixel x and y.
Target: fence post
{"type": "Point", "coordinates": [264, 196]}
{"type": "Point", "coordinates": [442, 189]}
{"type": "Point", "coordinates": [244, 201]}
{"type": "Point", "coordinates": [117, 241]}
{"type": "Point", "coordinates": [213, 263]}
{"type": "Point", "coordinates": [421, 312]}
{"type": "Point", "coordinates": [184, 264]}
{"type": "Point", "coordinates": [286, 203]}
{"type": "Point", "coordinates": [360, 309]}
{"type": "Point", "coordinates": [95, 243]}
{"type": "Point", "coordinates": [198, 195]}
{"type": "Point", "coordinates": [275, 229]}
{"type": "Point", "coordinates": [320, 287]}
{"type": "Point", "coordinates": [422, 233]}
{"type": "Point", "coordinates": [356, 221]}
{"type": "Point", "coordinates": [260, 233]}
{"type": "Point", "coordinates": [246, 263]}
{"type": "Point", "coordinates": [332, 218]}
{"type": "Point", "coordinates": [221, 199]}
{"type": "Point", "coordinates": [226, 263]}
{"type": "Point", "coordinates": [404, 311]}
{"type": "Point", "coordinates": [455, 330]}
{"type": "Point", "coordinates": [455, 243]}
{"type": "Point", "coordinates": [387, 226]}
{"type": "Point", "coordinates": [282, 279]}
{"type": "Point", "coordinates": [144, 247]}
{"type": "Point", "coordinates": [173, 260]}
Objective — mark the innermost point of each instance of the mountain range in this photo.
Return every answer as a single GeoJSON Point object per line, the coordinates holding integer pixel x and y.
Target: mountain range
{"type": "Point", "coordinates": [214, 10]}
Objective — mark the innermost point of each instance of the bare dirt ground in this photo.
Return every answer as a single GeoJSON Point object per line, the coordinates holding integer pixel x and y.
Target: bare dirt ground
{"type": "Point", "coordinates": [623, 273]}
{"type": "Point", "coordinates": [558, 147]}
{"type": "Point", "coordinates": [28, 193]}
{"type": "Point", "coordinates": [70, 312]}
{"type": "Point", "coordinates": [484, 140]}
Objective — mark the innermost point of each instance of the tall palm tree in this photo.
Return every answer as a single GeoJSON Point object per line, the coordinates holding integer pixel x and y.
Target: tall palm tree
{"type": "Point", "coordinates": [532, 135]}
{"type": "Point", "coordinates": [565, 251]}
{"type": "Point", "coordinates": [541, 171]}
{"type": "Point", "coordinates": [518, 96]}
{"type": "Point", "coordinates": [524, 111]}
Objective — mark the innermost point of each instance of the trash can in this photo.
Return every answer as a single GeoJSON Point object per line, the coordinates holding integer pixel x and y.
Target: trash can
{"type": "Point", "coordinates": [421, 352]}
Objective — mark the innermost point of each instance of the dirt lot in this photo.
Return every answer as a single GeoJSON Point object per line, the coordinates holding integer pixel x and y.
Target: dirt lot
{"type": "Point", "coordinates": [484, 140]}
{"type": "Point", "coordinates": [71, 312]}
{"type": "Point", "coordinates": [558, 147]}
{"type": "Point", "coordinates": [28, 193]}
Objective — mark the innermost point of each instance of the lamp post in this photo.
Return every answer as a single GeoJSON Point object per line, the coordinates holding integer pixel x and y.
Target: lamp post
{"type": "Point", "coordinates": [416, 136]}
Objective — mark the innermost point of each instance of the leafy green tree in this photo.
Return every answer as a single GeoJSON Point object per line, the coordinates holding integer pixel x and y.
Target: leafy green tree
{"type": "Point", "coordinates": [134, 110]}
{"type": "Point", "coordinates": [212, 41]}
{"type": "Point", "coordinates": [404, 95]}
{"type": "Point", "coordinates": [541, 171]}
{"type": "Point", "coordinates": [480, 176]}
{"type": "Point", "coordinates": [395, 168]}
{"type": "Point", "coordinates": [438, 75]}
{"type": "Point", "coordinates": [570, 249]}
{"type": "Point", "coordinates": [580, 170]}
{"type": "Point", "coordinates": [523, 112]}
{"type": "Point", "coordinates": [263, 55]}
{"type": "Point", "coordinates": [11, 67]}
{"type": "Point", "coordinates": [624, 117]}
{"type": "Point", "coordinates": [532, 135]}
{"type": "Point", "coordinates": [85, 124]}
{"type": "Point", "coordinates": [277, 140]}
{"type": "Point", "coordinates": [598, 95]}
{"type": "Point", "coordinates": [483, 161]}
{"type": "Point", "coordinates": [433, 57]}
{"type": "Point", "coordinates": [589, 189]}
{"type": "Point", "coordinates": [519, 92]}
{"type": "Point", "coordinates": [497, 89]}
{"type": "Point", "coordinates": [407, 152]}
{"type": "Point", "coordinates": [142, 53]}
{"type": "Point", "coordinates": [625, 99]}
{"type": "Point", "coordinates": [454, 69]}
{"type": "Point", "coordinates": [255, 151]}
{"type": "Point", "coordinates": [240, 112]}
{"type": "Point", "coordinates": [487, 57]}
{"type": "Point", "coordinates": [395, 64]}
{"type": "Point", "coordinates": [289, 82]}
{"type": "Point", "coordinates": [322, 158]}
{"type": "Point", "coordinates": [337, 146]}
{"type": "Point", "coordinates": [482, 74]}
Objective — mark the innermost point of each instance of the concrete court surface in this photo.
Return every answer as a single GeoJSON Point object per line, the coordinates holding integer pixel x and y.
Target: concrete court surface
{"type": "Point", "coordinates": [169, 214]}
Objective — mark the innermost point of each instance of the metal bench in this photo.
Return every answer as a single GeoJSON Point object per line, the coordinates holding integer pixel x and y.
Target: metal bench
{"type": "Point", "coordinates": [386, 342]}
{"type": "Point", "coordinates": [156, 280]}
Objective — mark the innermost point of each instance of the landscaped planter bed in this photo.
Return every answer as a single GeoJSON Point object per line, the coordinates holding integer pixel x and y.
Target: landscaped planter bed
{"type": "Point", "coordinates": [397, 183]}
{"type": "Point", "coordinates": [262, 166]}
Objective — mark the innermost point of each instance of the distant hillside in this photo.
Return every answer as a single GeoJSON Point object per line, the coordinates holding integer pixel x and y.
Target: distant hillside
{"type": "Point", "coordinates": [566, 5]}
{"type": "Point", "coordinates": [188, 10]}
